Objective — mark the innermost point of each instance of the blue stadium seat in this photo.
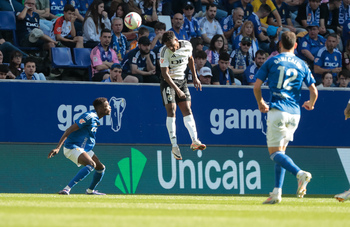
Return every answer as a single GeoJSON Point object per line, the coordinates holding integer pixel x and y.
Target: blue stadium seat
{"type": "Point", "coordinates": [62, 58]}
{"type": "Point", "coordinates": [82, 57]}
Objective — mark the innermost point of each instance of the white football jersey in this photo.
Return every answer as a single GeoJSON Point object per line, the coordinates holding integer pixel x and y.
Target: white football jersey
{"type": "Point", "coordinates": [176, 61]}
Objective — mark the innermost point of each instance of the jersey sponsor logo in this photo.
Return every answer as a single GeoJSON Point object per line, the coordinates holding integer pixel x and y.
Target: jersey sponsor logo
{"type": "Point", "coordinates": [331, 64]}
{"type": "Point", "coordinates": [176, 62]}
{"type": "Point", "coordinates": [82, 121]}
{"type": "Point", "coordinates": [68, 114]}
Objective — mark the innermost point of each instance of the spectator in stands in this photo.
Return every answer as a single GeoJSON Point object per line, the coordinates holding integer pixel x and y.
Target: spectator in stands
{"type": "Point", "coordinates": [103, 57]}
{"type": "Point", "coordinates": [247, 30]}
{"type": "Point", "coordinates": [29, 72]}
{"type": "Point", "coordinates": [28, 29]}
{"type": "Point", "coordinates": [209, 25]}
{"type": "Point", "coordinates": [119, 41]}
{"type": "Point", "coordinates": [240, 58]}
{"type": "Point", "coordinates": [343, 78]}
{"type": "Point", "coordinates": [132, 6]}
{"type": "Point", "coordinates": [250, 72]}
{"type": "Point", "coordinates": [143, 63]}
{"type": "Point", "coordinates": [328, 59]}
{"type": "Point", "coordinates": [327, 80]}
{"type": "Point", "coordinates": [220, 11]}
{"type": "Point", "coordinates": [116, 75]}
{"type": "Point", "coordinates": [344, 12]}
{"type": "Point", "coordinates": [346, 56]}
{"type": "Point", "coordinates": [231, 25]}
{"type": "Point", "coordinates": [205, 75]}
{"type": "Point", "coordinates": [256, 6]}
{"type": "Point", "coordinates": [222, 74]}
{"type": "Point", "coordinates": [15, 63]}
{"type": "Point", "coordinates": [143, 31]}
{"type": "Point", "coordinates": [246, 6]}
{"type": "Point", "coordinates": [283, 11]}
{"type": "Point", "coordinates": [64, 29]}
{"type": "Point", "coordinates": [310, 44]}
{"type": "Point", "coordinates": [310, 12]}
{"type": "Point", "coordinates": [215, 49]}
{"type": "Point", "coordinates": [11, 5]}
{"type": "Point", "coordinates": [7, 48]}
{"type": "Point", "coordinates": [177, 22]}
{"type": "Point", "coordinates": [191, 25]}
{"type": "Point", "coordinates": [156, 39]}
{"type": "Point", "coordinates": [150, 11]}
{"type": "Point", "coordinates": [4, 72]}
{"type": "Point", "coordinates": [43, 9]}
{"type": "Point", "coordinates": [264, 40]}
{"type": "Point", "coordinates": [197, 44]}
{"type": "Point", "coordinates": [330, 16]}
{"type": "Point", "coordinates": [96, 19]}
{"type": "Point", "coordinates": [200, 59]}
{"type": "Point", "coordinates": [56, 8]}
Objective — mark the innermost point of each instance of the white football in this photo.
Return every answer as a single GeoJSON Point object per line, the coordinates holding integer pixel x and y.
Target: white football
{"type": "Point", "coordinates": [132, 20]}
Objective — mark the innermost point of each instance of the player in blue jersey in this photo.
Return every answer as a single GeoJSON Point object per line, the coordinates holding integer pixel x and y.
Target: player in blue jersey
{"type": "Point", "coordinates": [79, 140]}
{"type": "Point", "coordinates": [285, 74]}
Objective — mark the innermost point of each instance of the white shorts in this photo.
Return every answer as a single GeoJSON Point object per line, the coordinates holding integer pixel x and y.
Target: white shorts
{"type": "Point", "coordinates": [280, 127]}
{"type": "Point", "coordinates": [73, 154]}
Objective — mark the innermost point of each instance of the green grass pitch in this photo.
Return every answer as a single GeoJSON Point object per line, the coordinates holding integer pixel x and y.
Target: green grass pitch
{"type": "Point", "coordinates": [169, 210]}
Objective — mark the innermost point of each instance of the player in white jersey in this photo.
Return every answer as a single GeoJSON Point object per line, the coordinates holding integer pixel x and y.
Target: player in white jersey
{"type": "Point", "coordinates": [345, 195]}
{"type": "Point", "coordinates": [174, 58]}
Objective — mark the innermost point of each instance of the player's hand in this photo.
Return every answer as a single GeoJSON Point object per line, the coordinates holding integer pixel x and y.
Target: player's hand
{"type": "Point", "coordinates": [181, 94]}
{"type": "Point", "coordinates": [263, 107]}
{"type": "Point", "coordinates": [53, 152]}
{"type": "Point", "coordinates": [347, 112]}
{"type": "Point", "coordinates": [308, 106]}
{"type": "Point", "coordinates": [197, 84]}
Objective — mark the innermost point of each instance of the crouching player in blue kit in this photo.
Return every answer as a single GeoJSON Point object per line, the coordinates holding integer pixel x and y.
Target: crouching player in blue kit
{"type": "Point", "coordinates": [79, 140]}
{"type": "Point", "coordinates": [285, 74]}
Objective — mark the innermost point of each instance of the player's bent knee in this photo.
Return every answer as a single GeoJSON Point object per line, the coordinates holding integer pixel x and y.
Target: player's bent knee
{"type": "Point", "coordinates": [100, 167]}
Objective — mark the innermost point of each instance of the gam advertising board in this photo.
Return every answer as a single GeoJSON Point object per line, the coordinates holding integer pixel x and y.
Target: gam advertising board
{"type": "Point", "coordinates": [39, 112]}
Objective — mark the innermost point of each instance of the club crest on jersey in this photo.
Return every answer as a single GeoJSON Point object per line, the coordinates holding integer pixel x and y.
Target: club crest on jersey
{"type": "Point", "coordinates": [335, 58]}
{"type": "Point", "coordinates": [82, 121]}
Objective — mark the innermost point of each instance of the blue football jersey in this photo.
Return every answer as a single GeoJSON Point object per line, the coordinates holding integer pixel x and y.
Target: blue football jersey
{"type": "Point", "coordinates": [285, 74]}
{"type": "Point", "coordinates": [86, 135]}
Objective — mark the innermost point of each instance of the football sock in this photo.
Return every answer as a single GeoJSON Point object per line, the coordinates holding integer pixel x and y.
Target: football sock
{"type": "Point", "coordinates": [279, 175]}
{"type": "Point", "coordinates": [191, 126]}
{"type": "Point", "coordinates": [98, 175]}
{"type": "Point", "coordinates": [285, 162]}
{"type": "Point", "coordinates": [171, 126]}
{"type": "Point", "coordinates": [84, 172]}
{"type": "Point", "coordinates": [277, 191]}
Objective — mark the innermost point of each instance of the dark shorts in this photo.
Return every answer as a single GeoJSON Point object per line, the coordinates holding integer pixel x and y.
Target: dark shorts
{"type": "Point", "coordinates": [168, 93]}
{"type": "Point", "coordinates": [25, 42]}
{"type": "Point", "coordinates": [99, 76]}
{"type": "Point", "coordinates": [68, 44]}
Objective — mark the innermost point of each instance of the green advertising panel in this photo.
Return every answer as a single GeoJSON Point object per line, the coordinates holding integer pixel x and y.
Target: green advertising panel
{"type": "Point", "coordinates": [153, 170]}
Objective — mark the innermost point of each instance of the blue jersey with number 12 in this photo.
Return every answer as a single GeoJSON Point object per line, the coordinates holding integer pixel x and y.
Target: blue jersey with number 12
{"type": "Point", "coordinates": [285, 74]}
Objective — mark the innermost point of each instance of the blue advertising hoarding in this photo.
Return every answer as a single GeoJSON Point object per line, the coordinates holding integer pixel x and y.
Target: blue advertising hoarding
{"type": "Point", "coordinates": [39, 112]}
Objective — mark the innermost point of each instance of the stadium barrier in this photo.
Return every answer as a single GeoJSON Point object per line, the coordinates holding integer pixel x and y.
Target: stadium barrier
{"type": "Point", "coordinates": [133, 143]}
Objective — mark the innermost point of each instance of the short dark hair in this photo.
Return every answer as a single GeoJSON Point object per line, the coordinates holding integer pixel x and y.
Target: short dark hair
{"type": "Point", "coordinates": [99, 102]}
{"type": "Point", "coordinates": [210, 5]}
{"type": "Point", "coordinates": [345, 73]}
{"type": "Point", "coordinates": [105, 30]}
{"type": "Point", "coordinates": [265, 8]}
{"type": "Point", "coordinates": [334, 35]}
{"type": "Point", "coordinates": [200, 54]}
{"type": "Point", "coordinates": [224, 56]}
{"type": "Point", "coordinates": [260, 52]}
{"type": "Point", "coordinates": [143, 30]}
{"type": "Point", "coordinates": [325, 73]}
{"type": "Point", "coordinates": [4, 68]}
{"type": "Point", "coordinates": [159, 26]}
{"type": "Point", "coordinates": [167, 36]}
{"type": "Point", "coordinates": [29, 59]}
{"type": "Point", "coordinates": [288, 40]}
{"type": "Point", "coordinates": [68, 7]}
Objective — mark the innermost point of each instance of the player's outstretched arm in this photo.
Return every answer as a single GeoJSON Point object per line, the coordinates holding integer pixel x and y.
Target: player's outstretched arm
{"type": "Point", "coordinates": [347, 111]}
{"type": "Point", "coordinates": [69, 130]}
{"type": "Point", "coordinates": [196, 82]}
{"type": "Point", "coordinates": [310, 104]}
{"type": "Point", "coordinates": [263, 107]}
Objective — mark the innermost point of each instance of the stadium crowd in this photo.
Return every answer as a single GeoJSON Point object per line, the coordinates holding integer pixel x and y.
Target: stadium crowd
{"type": "Point", "coordinates": [231, 39]}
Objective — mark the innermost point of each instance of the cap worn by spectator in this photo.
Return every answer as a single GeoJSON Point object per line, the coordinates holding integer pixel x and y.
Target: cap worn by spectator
{"type": "Point", "coordinates": [35, 34]}
{"type": "Point", "coordinates": [271, 30]}
{"type": "Point", "coordinates": [144, 41]}
{"type": "Point", "coordinates": [188, 3]}
{"type": "Point", "coordinates": [313, 24]}
{"type": "Point", "coordinates": [205, 71]}
{"type": "Point", "coordinates": [246, 39]}
{"type": "Point", "coordinates": [116, 65]}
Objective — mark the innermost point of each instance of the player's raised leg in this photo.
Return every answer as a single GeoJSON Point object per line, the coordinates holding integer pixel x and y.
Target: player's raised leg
{"type": "Point", "coordinates": [171, 127]}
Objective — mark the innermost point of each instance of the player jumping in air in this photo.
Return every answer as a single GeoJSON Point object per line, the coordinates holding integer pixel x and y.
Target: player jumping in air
{"type": "Point", "coordinates": [174, 58]}
{"type": "Point", "coordinates": [79, 140]}
{"type": "Point", "coordinates": [285, 74]}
